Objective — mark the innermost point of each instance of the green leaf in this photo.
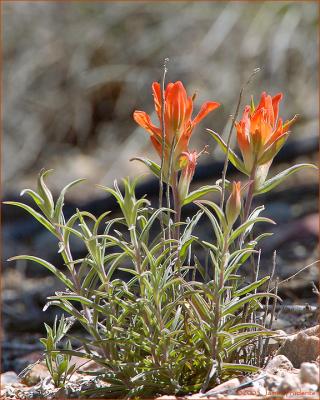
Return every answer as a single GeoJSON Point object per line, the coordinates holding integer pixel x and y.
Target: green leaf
{"type": "Point", "coordinates": [234, 159]}
{"type": "Point", "coordinates": [239, 367]}
{"type": "Point", "coordinates": [67, 228]}
{"type": "Point", "coordinates": [214, 222]}
{"type": "Point", "coordinates": [245, 325]}
{"type": "Point", "coordinates": [238, 303]}
{"type": "Point", "coordinates": [196, 194]}
{"type": "Point", "coordinates": [37, 199]}
{"type": "Point", "coordinates": [191, 224]}
{"type": "Point", "coordinates": [236, 260]}
{"type": "Point", "coordinates": [252, 286]}
{"type": "Point", "coordinates": [216, 209]}
{"type": "Point", "coordinates": [253, 215]}
{"type": "Point", "coordinates": [67, 307]}
{"type": "Point", "coordinates": [45, 193]}
{"type": "Point", "coordinates": [246, 225]}
{"type": "Point", "coordinates": [35, 214]}
{"type": "Point", "coordinates": [60, 201]}
{"type": "Point", "coordinates": [277, 179]}
{"type": "Point", "coordinates": [273, 149]}
{"type": "Point", "coordinates": [98, 222]}
{"type": "Point", "coordinates": [145, 232]}
{"type": "Point", "coordinates": [80, 299]}
{"type": "Point", "coordinates": [153, 167]}
{"type": "Point", "coordinates": [49, 266]}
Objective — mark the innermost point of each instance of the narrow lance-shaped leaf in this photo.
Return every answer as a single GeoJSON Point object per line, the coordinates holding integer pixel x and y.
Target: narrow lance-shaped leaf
{"type": "Point", "coordinates": [153, 167]}
{"type": "Point", "coordinates": [35, 196]}
{"type": "Point", "coordinates": [145, 232]}
{"type": "Point", "coordinates": [252, 286]}
{"type": "Point", "coordinates": [47, 265]}
{"type": "Point", "coordinates": [35, 214]}
{"type": "Point", "coordinates": [60, 201]}
{"type": "Point", "coordinates": [197, 194]}
{"type": "Point", "coordinates": [239, 367]}
{"type": "Point", "coordinates": [277, 179]}
{"type": "Point", "coordinates": [234, 159]}
{"type": "Point", "coordinates": [45, 193]}
{"type": "Point", "coordinates": [234, 307]}
{"type": "Point", "coordinates": [245, 225]}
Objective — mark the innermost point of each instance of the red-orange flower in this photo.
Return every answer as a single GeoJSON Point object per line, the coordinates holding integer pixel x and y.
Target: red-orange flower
{"type": "Point", "coordinates": [178, 125]}
{"type": "Point", "coordinates": [187, 162]}
{"type": "Point", "coordinates": [260, 132]}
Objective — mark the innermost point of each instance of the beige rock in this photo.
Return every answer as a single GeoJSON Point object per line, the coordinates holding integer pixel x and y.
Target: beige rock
{"type": "Point", "coordinates": [272, 382]}
{"type": "Point", "coordinates": [166, 397]}
{"type": "Point", "coordinates": [8, 378]}
{"type": "Point", "coordinates": [289, 383]}
{"type": "Point", "coordinates": [83, 364]}
{"type": "Point", "coordinates": [302, 347]}
{"type": "Point", "coordinates": [278, 362]}
{"type": "Point", "coordinates": [36, 373]}
{"type": "Point", "coordinates": [309, 373]}
{"type": "Point", "coordinates": [225, 386]}
{"type": "Point", "coordinates": [276, 384]}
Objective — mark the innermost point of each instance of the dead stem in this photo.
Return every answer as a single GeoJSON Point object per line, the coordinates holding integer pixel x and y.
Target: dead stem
{"type": "Point", "coordinates": [273, 310]}
{"type": "Point", "coordinates": [226, 161]}
{"type": "Point", "coordinates": [165, 70]}
{"type": "Point", "coordinates": [265, 344]}
{"type": "Point", "coordinates": [297, 273]}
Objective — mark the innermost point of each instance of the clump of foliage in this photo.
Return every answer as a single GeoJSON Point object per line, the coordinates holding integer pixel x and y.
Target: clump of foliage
{"type": "Point", "coordinates": [160, 330]}
{"type": "Point", "coordinates": [58, 363]}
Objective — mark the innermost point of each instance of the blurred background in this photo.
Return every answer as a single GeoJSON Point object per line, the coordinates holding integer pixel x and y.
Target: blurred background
{"type": "Point", "coordinates": [74, 72]}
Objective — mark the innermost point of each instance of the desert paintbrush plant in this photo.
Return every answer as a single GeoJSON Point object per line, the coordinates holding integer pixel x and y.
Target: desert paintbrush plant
{"type": "Point", "coordinates": [161, 330]}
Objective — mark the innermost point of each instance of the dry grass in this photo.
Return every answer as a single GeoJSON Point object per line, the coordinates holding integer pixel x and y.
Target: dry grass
{"type": "Point", "coordinates": [74, 73]}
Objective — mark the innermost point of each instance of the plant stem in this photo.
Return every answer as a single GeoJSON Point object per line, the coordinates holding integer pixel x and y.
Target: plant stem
{"type": "Point", "coordinates": [226, 160]}
{"type": "Point", "coordinates": [217, 310]}
{"type": "Point", "coordinates": [163, 144]}
{"type": "Point", "coordinates": [249, 199]}
{"type": "Point", "coordinates": [67, 257]}
{"type": "Point", "coordinates": [137, 252]}
{"type": "Point", "coordinates": [176, 205]}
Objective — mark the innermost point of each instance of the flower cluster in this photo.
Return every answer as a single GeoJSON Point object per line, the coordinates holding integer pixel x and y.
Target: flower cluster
{"type": "Point", "coordinates": [261, 133]}
{"type": "Point", "coordinates": [176, 127]}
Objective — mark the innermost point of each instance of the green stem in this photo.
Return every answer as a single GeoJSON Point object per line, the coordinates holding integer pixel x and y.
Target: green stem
{"type": "Point", "coordinates": [67, 257]}
{"type": "Point", "coordinates": [218, 296]}
{"type": "Point", "coordinates": [249, 199]}
{"type": "Point", "coordinates": [176, 205]}
{"type": "Point", "coordinates": [138, 259]}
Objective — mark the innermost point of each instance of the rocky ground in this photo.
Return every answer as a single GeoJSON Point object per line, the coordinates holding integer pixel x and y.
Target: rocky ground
{"type": "Point", "coordinates": [293, 367]}
{"type": "Point", "coordinates": [292, 372]}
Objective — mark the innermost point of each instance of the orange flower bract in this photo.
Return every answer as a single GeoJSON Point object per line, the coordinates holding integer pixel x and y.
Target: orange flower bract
{"type": "Point", "coordinates": [178, 122]}
{"type": "Point", "coordinates": [260, 132]}
{"type": "Point", "coordinates": [188, 163]}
